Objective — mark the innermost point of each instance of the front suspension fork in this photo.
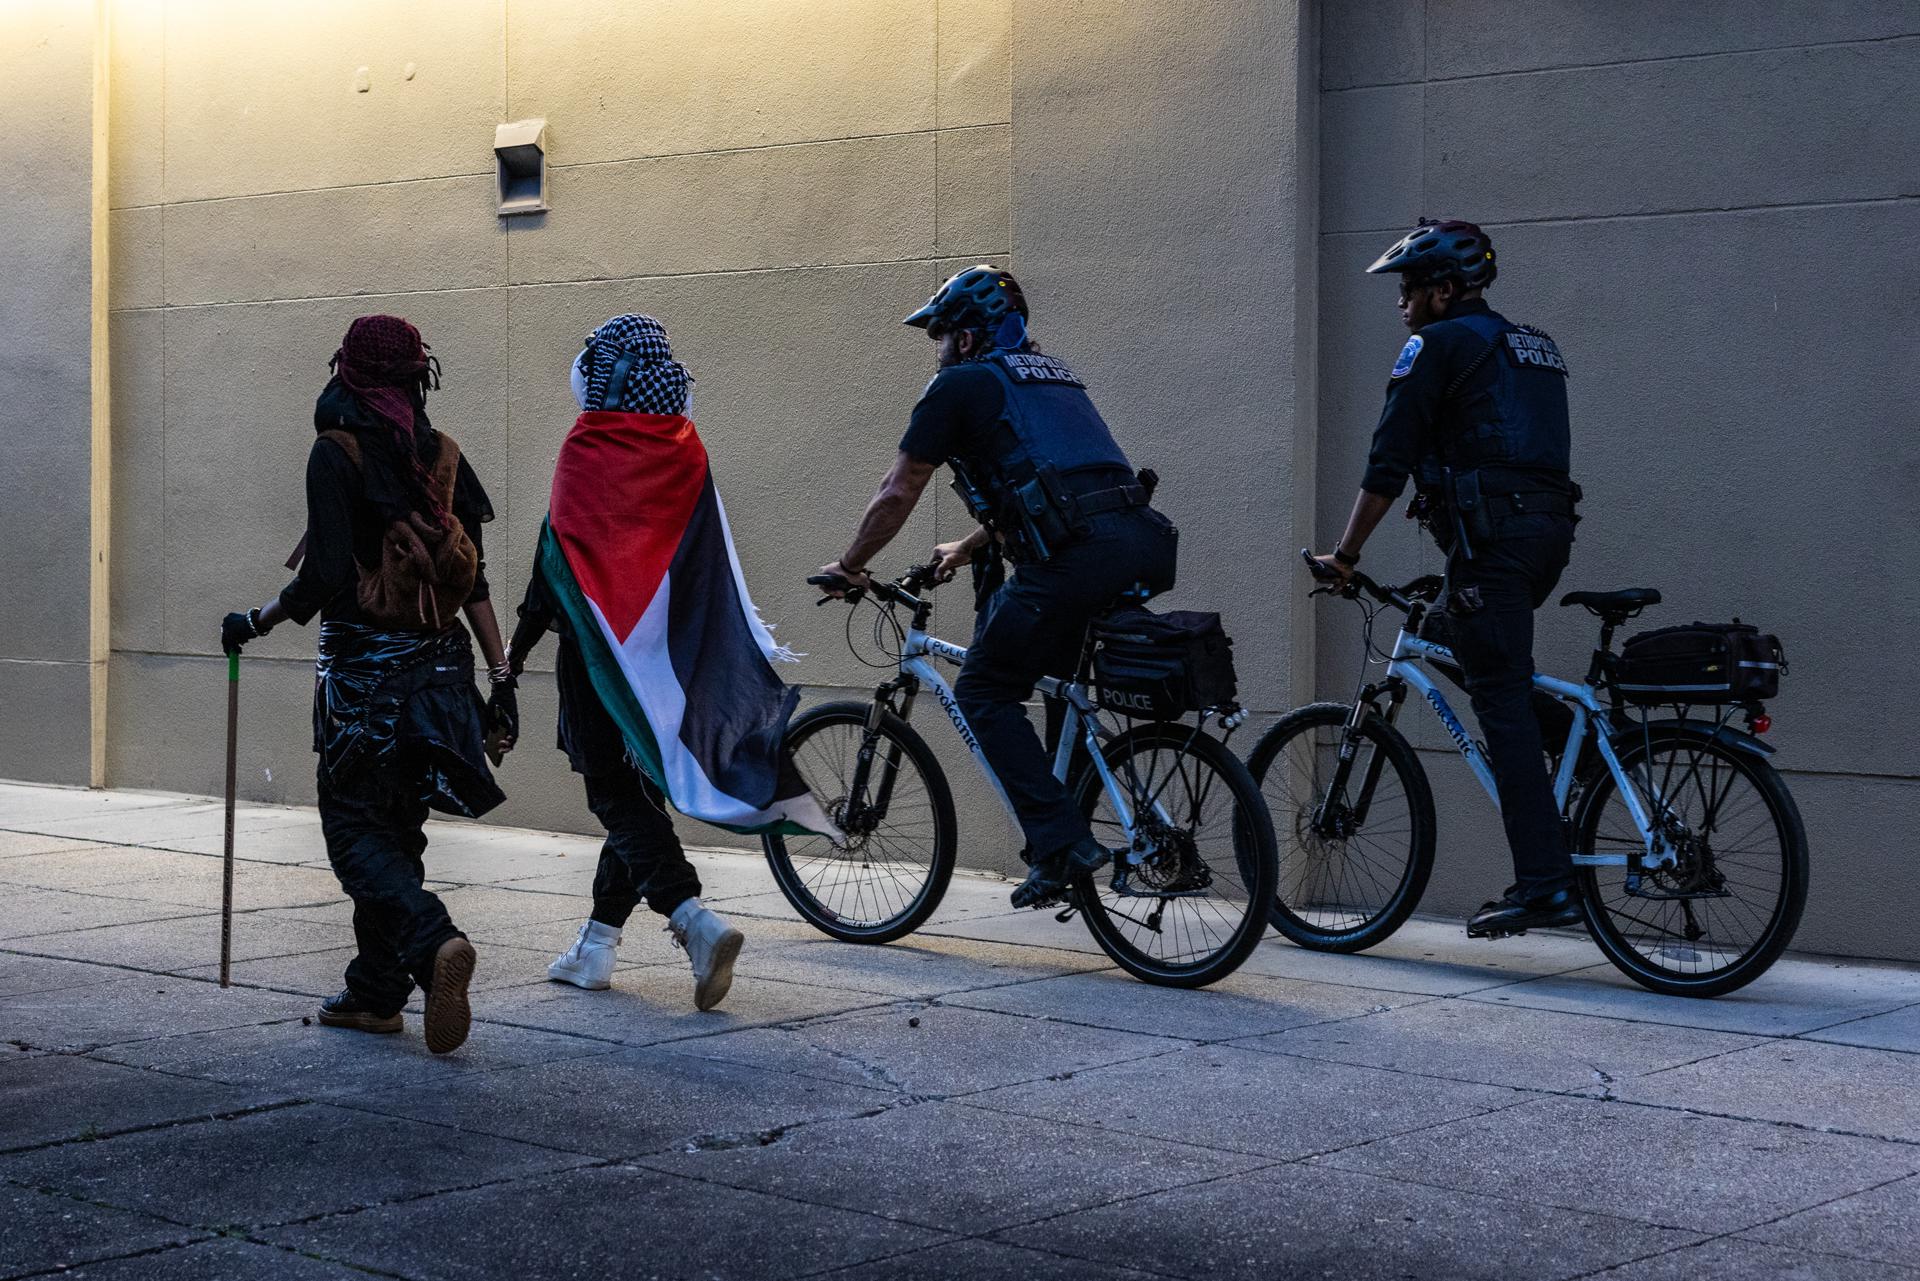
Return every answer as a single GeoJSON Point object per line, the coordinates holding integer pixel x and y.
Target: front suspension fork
{"type": "Point", "coordinates": [1363, 706]}
{"type": "Point", "coordinates": [884, 700]}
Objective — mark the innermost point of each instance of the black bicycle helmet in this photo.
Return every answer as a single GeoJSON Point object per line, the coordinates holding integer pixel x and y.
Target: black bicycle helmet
{"type": "Point", "coordinates": [977, 297]}
{"type": "Point", "coordinates": [1436, 250]}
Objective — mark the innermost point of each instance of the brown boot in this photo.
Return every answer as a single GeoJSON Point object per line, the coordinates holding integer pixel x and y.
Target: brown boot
{"type": "Point", "coordinates": [348, 1010]}
{"type": "Point", "coordinates": [448, 1015]}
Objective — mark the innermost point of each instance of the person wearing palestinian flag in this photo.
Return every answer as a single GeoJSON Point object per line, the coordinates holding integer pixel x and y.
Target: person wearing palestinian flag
{"type": "Point", "coordinates": [391, 559]}
{"type": "Point", "coordinates": [667, 690]}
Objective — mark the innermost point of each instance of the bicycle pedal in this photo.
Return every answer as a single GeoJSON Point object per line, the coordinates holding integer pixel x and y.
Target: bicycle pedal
{"type": "Point", "coordinates": [1495, 934]}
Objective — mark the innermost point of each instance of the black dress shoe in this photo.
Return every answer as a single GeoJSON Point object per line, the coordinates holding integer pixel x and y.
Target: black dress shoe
{"type": "Point", "coordinates": [348, 1010]}
{"type": "Point", "coordinates": [1048, 878]}
{"type": "Point", "coordinates": [1511, 914]}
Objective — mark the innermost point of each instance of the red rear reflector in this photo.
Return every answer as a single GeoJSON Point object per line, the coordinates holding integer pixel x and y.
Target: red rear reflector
{"type": "Point", "coordinates": [1761, 723]}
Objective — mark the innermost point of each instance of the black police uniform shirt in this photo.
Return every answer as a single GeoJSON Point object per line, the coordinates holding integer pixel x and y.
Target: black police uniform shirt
{"type": "Point", "coordinates": [1509, 413]}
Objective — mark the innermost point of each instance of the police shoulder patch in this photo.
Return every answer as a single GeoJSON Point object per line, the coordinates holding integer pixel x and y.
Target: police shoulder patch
{"type": "Point", "coordinates": [1408, 354]}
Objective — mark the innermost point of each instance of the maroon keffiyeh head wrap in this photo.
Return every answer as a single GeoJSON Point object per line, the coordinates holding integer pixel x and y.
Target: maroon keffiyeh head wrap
{"type": "Point", "coordinates": [383, 361]}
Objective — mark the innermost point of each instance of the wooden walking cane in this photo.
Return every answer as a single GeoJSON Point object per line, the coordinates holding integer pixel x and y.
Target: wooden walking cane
{"type": "Point", "coordinates": [226, 871]}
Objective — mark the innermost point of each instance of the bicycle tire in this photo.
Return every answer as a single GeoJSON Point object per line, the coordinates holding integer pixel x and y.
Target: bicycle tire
{"type": "Point", "coordinates": [1615, 939]}
{"type": "Point", "coordinates": [801, 884]}
{"type": "Point", "coordinates": [1252, 835]}
{"type": "Point", "coordinates": [1398, 903]}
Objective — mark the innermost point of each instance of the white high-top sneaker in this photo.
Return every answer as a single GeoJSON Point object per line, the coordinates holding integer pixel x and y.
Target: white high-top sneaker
{"type": "Point", "coordinates": [711, 944]}
{"type": "Point", "coordinates": [589, 962]}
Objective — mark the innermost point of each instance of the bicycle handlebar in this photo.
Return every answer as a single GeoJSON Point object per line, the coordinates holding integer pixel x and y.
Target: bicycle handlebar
{"type": "Point", "coordinates": [901, 591]}
{"type": "Point", "coordinates": [1401, 598]}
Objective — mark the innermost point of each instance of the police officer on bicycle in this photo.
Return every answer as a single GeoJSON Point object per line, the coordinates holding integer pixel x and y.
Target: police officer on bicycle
{"type": "Point", "coordinates": [1039, 470]}
{"type": "Point", "coordinates": [1476, 413]}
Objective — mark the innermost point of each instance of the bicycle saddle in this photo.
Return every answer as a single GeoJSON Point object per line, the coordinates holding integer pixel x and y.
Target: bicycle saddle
{"type": "Point", "coordinates": [1628, 600]}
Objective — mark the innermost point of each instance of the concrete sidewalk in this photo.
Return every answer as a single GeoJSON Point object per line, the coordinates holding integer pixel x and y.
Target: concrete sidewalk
{"type": "Point", "coordinates": [988, 1098]}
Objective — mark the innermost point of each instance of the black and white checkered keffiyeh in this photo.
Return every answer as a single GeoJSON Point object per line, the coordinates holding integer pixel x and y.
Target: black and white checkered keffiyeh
{"type": "Point", "coordinates": [657, 384]}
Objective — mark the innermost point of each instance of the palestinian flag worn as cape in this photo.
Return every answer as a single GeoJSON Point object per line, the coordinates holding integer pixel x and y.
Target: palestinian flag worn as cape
{"type": "Point", "coordinates": [637, 552]}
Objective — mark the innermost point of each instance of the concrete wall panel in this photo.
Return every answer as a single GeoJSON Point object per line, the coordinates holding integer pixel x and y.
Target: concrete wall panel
{"type": "Point", "coordinates": [858, 200]}
{"type": "Point", "coordinates": [169, 714]}
{"type": "Point", "coordinates": [618, 81]}
{"type": "Point", "coordinates": [1372, 42]}
{"type": "Point", "coordinates": [975, 191]}
{"type": "Point", "coordinates": [135, 257]}
{"type": "Point", "coordinates": [137, 148]}
{"type": "Point", "coordinates": [262, 98]}
{"type": "Point", "coordinates": [139, 603]}
{"type": "Point", "coordinates": [1157, 145]}
{"type": "Point", "coordinates": [440, 234]}
{"type": "Point", "coordinates": [44, 713]}
{"type": "Point", "coordinates": [1788, 126]}
{"type": "Point", "coordinates": [1481, 37]}
{"type": "Point", "coordinates": [976, 62]}
{"type": "Point", "coordinates": [1373, 150]}
{"type": "Point", "coordinates": [46, 89]}
{"type": "Point", "coordinates": [235, 480]}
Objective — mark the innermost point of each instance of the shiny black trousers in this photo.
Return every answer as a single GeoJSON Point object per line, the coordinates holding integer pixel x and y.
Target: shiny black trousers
{"type": "Point", "coordinates": [375, 838]}
{"type": "Point", "coordinates": [1490, 604]}
{"type": "Point", "coordinates": [1034, 626]}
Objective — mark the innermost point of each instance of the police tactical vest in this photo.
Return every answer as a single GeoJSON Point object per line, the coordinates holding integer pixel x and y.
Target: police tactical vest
{"type": "Point", "coordinates": [1050, 421]}
{"type": "Point", "coordinates": [1514, 420]}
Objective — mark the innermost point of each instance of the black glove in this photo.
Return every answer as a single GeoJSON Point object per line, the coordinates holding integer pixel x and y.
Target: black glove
{"type": "Point", "coordinates": [503, 711]}
{"type": "Point", "coordinates": [237, 629]}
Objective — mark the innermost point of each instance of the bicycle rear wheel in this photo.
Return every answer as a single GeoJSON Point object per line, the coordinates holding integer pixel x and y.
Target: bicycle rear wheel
{"type": "Point", "coordinates": [900, 829]}
{"type": "Point", "coordinates": [1728, 908]}
{"type": "Point", "coordinates": [1188, 905]}
{"type": "Point", "coordinates": [1352, 881]}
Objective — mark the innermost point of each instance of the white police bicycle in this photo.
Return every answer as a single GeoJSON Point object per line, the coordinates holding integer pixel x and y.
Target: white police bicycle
{"type": "Point", "coordinates": [1687, 847]}
{"type": "Point", "coordinates": [1183, 903]}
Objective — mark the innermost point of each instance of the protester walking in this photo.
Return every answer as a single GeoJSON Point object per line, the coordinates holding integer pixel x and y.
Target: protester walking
{"type": "Point", "coordinates": [392, 556]}
{"type": "Point", "coordinates": [667, 694]}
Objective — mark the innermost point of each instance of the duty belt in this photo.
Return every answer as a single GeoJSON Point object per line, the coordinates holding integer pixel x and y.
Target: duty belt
{"type": "Point", "coordinates": [1119, 498]}
{"type": "Point", "coordinates": [1537, 502]}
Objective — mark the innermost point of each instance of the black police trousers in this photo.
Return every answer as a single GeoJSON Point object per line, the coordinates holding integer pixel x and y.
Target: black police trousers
{"type": "Point", "coordinates": [1490, 604]}
{"type": "Point", "coordinates": [1034, 626]}
{"type": "Point", "coordinates": [375, 837]}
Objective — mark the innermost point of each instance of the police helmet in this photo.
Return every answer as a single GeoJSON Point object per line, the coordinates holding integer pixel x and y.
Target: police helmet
{"type": "Point", "coordinates": [974, 299]}
{"type": "Point", "coordinates": [1437, 250]}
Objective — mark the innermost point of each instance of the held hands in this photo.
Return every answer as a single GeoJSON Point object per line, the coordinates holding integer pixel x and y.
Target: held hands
{"type": "Point", "coordinates": [503, 717]}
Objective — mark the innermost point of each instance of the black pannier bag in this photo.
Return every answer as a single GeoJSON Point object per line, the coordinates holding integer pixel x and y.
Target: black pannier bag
{"type": "Point", "coordinates": [1701, 663]}
{"type": "Point", "coordinates": [1162, 666]}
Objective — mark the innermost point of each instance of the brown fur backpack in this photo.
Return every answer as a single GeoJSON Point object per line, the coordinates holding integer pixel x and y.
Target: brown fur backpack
{"type": "Point", "coordinates": [425, 573]}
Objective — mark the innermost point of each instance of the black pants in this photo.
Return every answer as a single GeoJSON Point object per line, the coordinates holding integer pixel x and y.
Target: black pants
{"type": "Point", "coordinates": [1033, 626]}
{"type": "Point", "coordinates": [642, 856]}
{"type": "Point", "coordinates": [375, 837]}
{"type": "Point", "coordinates": [1490, 605]}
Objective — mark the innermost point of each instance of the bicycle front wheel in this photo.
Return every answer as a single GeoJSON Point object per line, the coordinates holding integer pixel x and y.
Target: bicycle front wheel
{"type": "Point", "coordinates": [1352, 866]}
{"type": "Point", "coordinates": [897, 814]}
{"type": "Point", "coordinates": [1728, 905]}
{"type": "Point", "coordinates": [1187, 903]}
